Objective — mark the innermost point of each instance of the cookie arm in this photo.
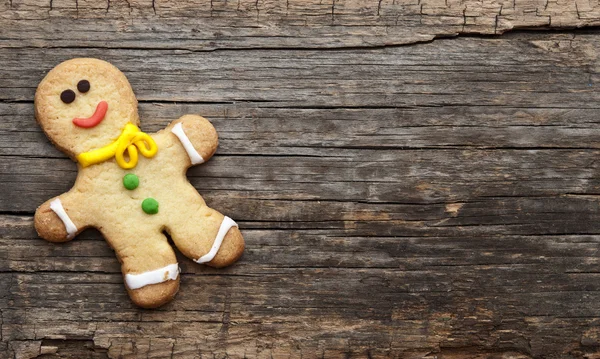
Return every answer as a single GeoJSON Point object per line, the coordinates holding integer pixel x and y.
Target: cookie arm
{"type": "Point", "coordinates": [197, 136]}
{"type": "Point", "coordinates": [55, 222]}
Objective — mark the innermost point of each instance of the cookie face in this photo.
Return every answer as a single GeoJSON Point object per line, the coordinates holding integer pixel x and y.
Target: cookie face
{"type": "Point", "coordinates": [131, 185]}
{"type": "Point", "coordinates": [83, 104]}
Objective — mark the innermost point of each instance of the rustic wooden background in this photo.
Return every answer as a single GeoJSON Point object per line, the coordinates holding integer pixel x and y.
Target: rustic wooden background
{"type": "Point", "coordinates": [410, 182]}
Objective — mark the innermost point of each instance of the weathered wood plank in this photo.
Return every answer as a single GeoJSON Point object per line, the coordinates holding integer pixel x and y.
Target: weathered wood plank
{"type": "Point", "coordinates": [380, 185]}
{"type": "Point", "coordinates": [501, 73]}
{"type": "Point", "coordinates": [202, 25]}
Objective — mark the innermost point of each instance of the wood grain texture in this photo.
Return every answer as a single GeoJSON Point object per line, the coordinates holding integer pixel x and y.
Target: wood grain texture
{"type": "Point", "coordinates": [225, 24]}
{"type": "Point", "coordinates": [439, 200]}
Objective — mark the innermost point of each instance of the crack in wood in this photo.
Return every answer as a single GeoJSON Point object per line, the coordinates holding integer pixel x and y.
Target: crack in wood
{"type": "Point", "coordinates": [257, 12]}
{"type": "Point", "coordinates": [333, 11]}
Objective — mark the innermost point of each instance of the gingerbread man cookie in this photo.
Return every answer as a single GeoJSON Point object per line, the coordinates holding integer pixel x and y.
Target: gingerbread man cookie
{"type": "Point", "coordinates": [131, 185]}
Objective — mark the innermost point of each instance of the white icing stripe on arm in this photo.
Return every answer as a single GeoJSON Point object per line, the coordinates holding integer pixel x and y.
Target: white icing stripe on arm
{"type": "Point", "coordinates": [136, 281]}
{"type": "Point", "coordinates": [225, 226]}
{"type": "Point", "coordinates": [187, 144]}
{"type": "Point", "coordinates": [58, 208]}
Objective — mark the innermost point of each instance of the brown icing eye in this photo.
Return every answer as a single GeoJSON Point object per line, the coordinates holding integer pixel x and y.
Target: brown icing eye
{"type": "Point", "coordinates": [67, 96]}
{"type": "Point", "coordinates": [83, 86]}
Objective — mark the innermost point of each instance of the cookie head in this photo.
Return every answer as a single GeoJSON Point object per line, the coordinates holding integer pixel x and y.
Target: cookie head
{"type": "Point", "coordinates": [84, 104]}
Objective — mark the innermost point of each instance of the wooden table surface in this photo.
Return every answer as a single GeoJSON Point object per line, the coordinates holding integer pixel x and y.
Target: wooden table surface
{"type": "Point", "coordinates": [410, 182]}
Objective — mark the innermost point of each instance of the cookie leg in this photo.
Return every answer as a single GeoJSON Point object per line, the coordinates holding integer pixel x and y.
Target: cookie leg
{"type": "Point", "coordinates": [208, 237]}
{"type": "Point", "coordinates": [150, 268]}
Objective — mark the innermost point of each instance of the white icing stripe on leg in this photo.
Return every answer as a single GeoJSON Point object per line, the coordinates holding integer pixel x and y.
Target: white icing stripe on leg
{"type": "Point", "coordinates": [136, 281]}
{"type": "Point", "coordinates": [225, 226]}
{"type": "Point", "coordinates": [187, 144]}
{"type": "Point", "coordinates": [58, 208]}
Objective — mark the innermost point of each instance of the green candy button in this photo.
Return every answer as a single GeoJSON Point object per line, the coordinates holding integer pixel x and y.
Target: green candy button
{"type": "Point", "coordinates": [131, 181]}
{"type": "Point", "coordinates": [150, 206]}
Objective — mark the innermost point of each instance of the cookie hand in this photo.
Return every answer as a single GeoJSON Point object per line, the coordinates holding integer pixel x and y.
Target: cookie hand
{"type": "Point", "coordinates": [53, 223]}
{"type": "Point", "coordinates": [197, 136]}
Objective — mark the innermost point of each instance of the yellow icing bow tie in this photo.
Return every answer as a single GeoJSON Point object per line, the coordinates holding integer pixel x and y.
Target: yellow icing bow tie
{"type": "Point", "coordinates": [131, 140]}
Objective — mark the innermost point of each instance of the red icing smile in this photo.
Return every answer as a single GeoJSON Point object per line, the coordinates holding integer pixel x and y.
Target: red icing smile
{"type": "Point", "coordinates": [95, 119]}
